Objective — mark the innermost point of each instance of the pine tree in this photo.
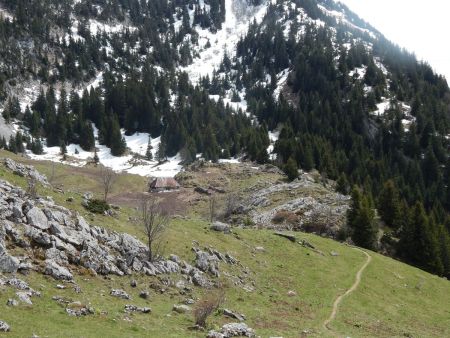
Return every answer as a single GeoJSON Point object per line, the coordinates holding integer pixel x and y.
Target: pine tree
{"type": "Point", "coordinates": [161, 152]}
{"type": "Point", "coordinates": [389, 205]}
{"type": "Point", "coordinates": [342, 185]}
{"type": "Point", "coordinates": [148, 152]}
{"type": "Point", "coordinates": [418, 243]}
{"type": "Point", "coordinates": [291, 169]}
{"type": "Point", "coordinates": [96, 158]}
{"type": "Point", "coordinates": [360, 219]}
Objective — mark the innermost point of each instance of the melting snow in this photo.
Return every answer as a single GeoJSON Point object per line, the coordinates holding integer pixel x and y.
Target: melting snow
{"type": "Point", "coordinates": [137, 143]}
{"type": "Point", "coordinates": [225, 40]}
{"type": "Point", "coordinates": [282, 78]}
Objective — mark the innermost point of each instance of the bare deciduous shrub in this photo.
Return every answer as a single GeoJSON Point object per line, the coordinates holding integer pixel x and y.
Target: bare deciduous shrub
{"type": "Point", "coordinates": [155, 221]}
{"type": "Point", "coordinates": [207, 306]}
{"type": "Point", "coordinates": [108, 178]}
{"type": "Point", "coordinates": [284, 216]}
{"type": "Point", "coordinates": [231, 204]}
{"type": "Point", "coordinates": [212, 207]}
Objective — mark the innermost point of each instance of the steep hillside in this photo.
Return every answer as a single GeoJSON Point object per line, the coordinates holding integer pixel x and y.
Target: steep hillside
{"type": "Point", "coordinates": [283, 288]}
{"type": "Point", "coordinates": [149, 87]}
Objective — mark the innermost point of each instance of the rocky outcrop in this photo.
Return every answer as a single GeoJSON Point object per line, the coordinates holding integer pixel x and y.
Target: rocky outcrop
{"type": "Point", "coordinates": [69, 242]}
{"type": "Point", "coordinates": [307, 204]}
{"type": "Point", "coordinates": [232, 330]}
{"type": "Point", "coordinates": [27, 171]}
{"type": "Point", "coordinates": [208, 260]}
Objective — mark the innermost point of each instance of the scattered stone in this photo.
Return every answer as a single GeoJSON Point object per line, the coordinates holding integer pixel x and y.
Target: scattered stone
{"type": "Point", "coordinates": [133, 308]}
{"type": "Point", "coordinates": [260, 249]}
{"type": "Point", "coordinates": [144, 294]}
{"type": "Point", "coordinates": [181, 308]}
{"type": "Point", "coordinates": [203, 191]}
{"type": "Point", "coordinates": [291, 293]}
{"type": "Point", "coordinates": [232, 330]}
{"type": "Point", "coordinates": [334, 253]}
{"type": "Point", "coordinates": [12, 302]}
{"type": "Point", "coordinates": [189, 301]}
{"type": "Point", "coordinates": [234, 315]}
{"type": "Point", "coordinates": [4, 327]}
{"type": "Point", "coordinates": [25, 297]}
{"type": "Point", "coordinates": [133, 283]}
{"type": "Point", "coordinates": [77, 309]}
{"type": "Point", "coordinates": [287, 236]}
{"type": "Point", "coordinates": [221, 227]}
{"type": "Point", "coordinates": [119, 294]}
{"type": "Point", "coordinates": [60, 286]}
{"type": "Point", "coordinates": [18, 284]}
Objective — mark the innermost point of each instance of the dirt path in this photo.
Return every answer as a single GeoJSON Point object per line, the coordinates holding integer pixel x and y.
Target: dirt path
{"type": "Point", "coordinates": [338, 300]}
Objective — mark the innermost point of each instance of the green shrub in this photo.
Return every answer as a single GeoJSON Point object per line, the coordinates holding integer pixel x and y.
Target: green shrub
{"type": "Point", "coordinates": [97, 206]}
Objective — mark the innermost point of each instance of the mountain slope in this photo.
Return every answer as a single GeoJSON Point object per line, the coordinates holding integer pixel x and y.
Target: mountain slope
{"type": "Point", "coordinates": [145, 87]}
{"type": "Point", "coordinates": [392, 299]}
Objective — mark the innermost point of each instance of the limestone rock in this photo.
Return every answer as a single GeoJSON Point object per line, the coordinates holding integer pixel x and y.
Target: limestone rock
{"type": "Point", "coordinates": [12, 302]}
{"type": "Point", "coordinates": [181, 308]}
{"type": "Point", "coordinates": [221, 227]}
{"type": "Point", "coordinates": [134, 308]}
{"type": "Point", "coordinates": [144, 294]}
{"type": "Point", "coordinates": [57, 271]}
{"type": "Point", "coordinates": [8, 263]}
{"type": "Point", "coordinates": [119, 294]}
{"type": "Point", "coordinates": [37, 218]}
{"type": "Point", "coordinates": [232, 330]}
{"type": "Point", "coordinates": [234, 315]}
{"type": "Point", "coordinates": [4, 327]}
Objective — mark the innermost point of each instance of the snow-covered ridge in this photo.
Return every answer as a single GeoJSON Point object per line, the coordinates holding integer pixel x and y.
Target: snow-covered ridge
{"type": "Point", "coordinates": [342, 19]}
{"type": "Point", "coordinates": [238, 17]}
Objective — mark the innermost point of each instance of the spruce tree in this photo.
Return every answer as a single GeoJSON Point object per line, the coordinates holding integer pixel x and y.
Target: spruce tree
{"type": "Point", "coordinates": [389, 205]}
{"type": "Point", "coordinates": [291, 169]}
{"type": "Point", "coordinates": [148, 152]}
{"type": "Point", "coordinates": [418, 243]}
{"type": "Point", "coordinates": [360, 220]}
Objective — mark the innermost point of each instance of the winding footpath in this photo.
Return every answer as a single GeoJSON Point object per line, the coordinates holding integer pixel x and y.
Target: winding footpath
{"type": "Point", "coordinates": [339, 299]}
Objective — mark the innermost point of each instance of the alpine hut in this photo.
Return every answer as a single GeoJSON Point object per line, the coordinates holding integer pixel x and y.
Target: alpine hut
{"type": "Point", "coordinates": [163, 183]}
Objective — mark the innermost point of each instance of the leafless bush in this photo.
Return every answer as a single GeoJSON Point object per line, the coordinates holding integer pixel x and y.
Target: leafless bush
{"type": "Point", "coordinates": [212, 207]}
{"type": "Point", "coordinates": [155, 222]}
{"type": "Point", "coordinates": [207, 306]}
{"type": "Point", "coordinates": [231, 205]}
{"type": "Point", "coordinates": [284, 216]}
{"type": "Point", "coordinates": [108, 178]}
